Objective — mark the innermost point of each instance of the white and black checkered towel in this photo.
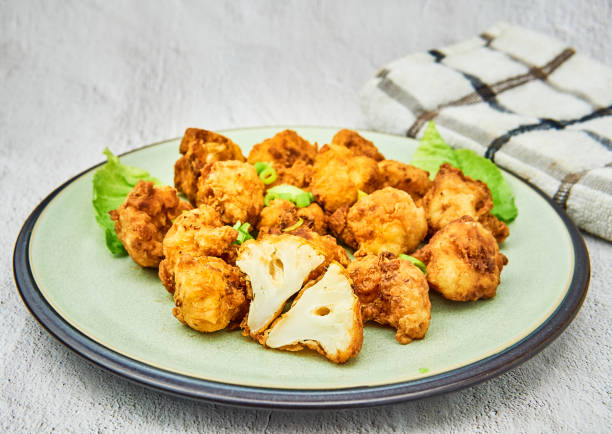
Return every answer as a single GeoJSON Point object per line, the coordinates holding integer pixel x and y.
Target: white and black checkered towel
{"type": "Point", "coordinates": [525, 100]}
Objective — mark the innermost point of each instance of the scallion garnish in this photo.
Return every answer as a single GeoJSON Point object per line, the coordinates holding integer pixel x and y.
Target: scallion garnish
{"type": "Point", "coordinates": [266, 172]}
{"type": "Point", "coordinates": [295, 226]}
{"type": "Point", "coordinates": [421, 266]}
{"type": "Point", "coordinates": [243, 232]}
{"type": "Point", "coordinates": [291, 193]}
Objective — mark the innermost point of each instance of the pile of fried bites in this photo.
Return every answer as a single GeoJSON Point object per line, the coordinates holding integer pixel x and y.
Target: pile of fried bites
{"type": "Point", "coordinates": [379, 208]}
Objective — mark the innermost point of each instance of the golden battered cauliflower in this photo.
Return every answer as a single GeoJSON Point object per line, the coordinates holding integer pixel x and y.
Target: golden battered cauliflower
{"type": "Point", "coordinates": [277, 266]}
{"type": "Point", "coordinates": [402, 176]}
{"type": "Point", "coordinates": [283, 150]}
{"type": "Point", "coordinates": [325, 317]}
{"type": "Point", "coordinates": [463, 261]}
{"type": "Point", "coordinates": [201, 147]}
{"type": "Point", "coordinates": [386, 220]}
{"type": "Point", "coordinates": [144, 218]}
{"type": "Point", "coordinates": [290, 155]}
{"type": "Point", "coordinates": [392, 292]}
{"type": "Point", "coordinates": [338, 175]}
{"type": "Point", "coordinates": [233, 189]}
{"type": "Point", "coordinates": [282, 215]}
{"type": "Point", "coordinates": [454, 195]}
{"type": "Point", "coordinates": [210, 295]}
{"type": "Point", "coordinates": [198, 232]}
{"type": "Point", "coordinates": [357, 144]}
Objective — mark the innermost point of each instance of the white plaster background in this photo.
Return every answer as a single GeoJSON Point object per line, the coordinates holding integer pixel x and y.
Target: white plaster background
{"type": "Point", "coordinates": [77, 76]}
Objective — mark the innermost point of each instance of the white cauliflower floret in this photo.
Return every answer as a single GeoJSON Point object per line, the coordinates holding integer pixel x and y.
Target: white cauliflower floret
{"type": "Point", "coordinates": [277, 267]}
{"type": "Point", "coordinates": [325, 317]}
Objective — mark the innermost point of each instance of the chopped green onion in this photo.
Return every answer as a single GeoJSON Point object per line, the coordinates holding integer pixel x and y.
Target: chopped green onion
{"type": "Point", "coordinates": [302, 200]}
{"type": "Point", "coordinates": [291, 193]}
{"type": "Point", "coordinates": [295, 226]}
{"type": "Point", "coordinates": [423, 370]}
{"type": "Point", "coordinates": [415, 262]}
{"type": "Point", "coordinates": [243, 232]}
{"type": "Point", "coordinates": [266, 172]}
{"type": "Point", "coordinates": [269, 197]}
{"type": "Point", "coordinates": [268, 175]}
{"type": "Point", "coordinates": [361, 194]}
{"type": "Point", "coordinates": [260, 166]}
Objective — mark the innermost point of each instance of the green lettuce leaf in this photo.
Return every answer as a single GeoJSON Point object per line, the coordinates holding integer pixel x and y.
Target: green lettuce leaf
{"type": "Point", "coordinates": [483, 169]}
{"type": "Point", "coordinates": [112, 182]}
{"type": "Point", "coordinates": [433, 152]}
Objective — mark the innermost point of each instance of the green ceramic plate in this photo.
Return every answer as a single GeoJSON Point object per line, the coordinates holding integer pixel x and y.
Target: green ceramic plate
{"type": "Point", "coordinates": [118, 315]}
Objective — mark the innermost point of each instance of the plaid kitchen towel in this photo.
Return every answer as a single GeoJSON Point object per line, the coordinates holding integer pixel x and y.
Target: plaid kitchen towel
{"type": "Point", "coordinates": [525, 100]}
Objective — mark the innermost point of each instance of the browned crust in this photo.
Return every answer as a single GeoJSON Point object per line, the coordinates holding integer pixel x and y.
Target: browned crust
{"type": "Point", "coordinates": [358, 144]}
{"type": "Point", "coordinates": [477, 261]}
{"type": "Point", "coordinates": [392, 292]}
{"type": "Point", "coordinates": [142, 221]}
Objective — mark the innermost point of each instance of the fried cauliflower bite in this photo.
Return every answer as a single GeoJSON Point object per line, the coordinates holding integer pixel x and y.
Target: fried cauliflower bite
{"type": "Point", "coordinates": [283, 214]}
{"type": "Point", "coordinates": [357, 144]}
{"type": "Point", "coordinates": [290, 155]}
{"type": "Point", "coordinates": [402, 176]}
{"type": "Point", "coordinates": [283, 150]}
{"type": "Point", "coordinates": [338, 175]}
{"type": "Point", "coordinates": [454, 195]}
{"type": "Point", "coordinates": [386, 220]}
{"type": "Point", "coordinates": [463, 261]}
{"type": "Point", "coordinates": [298, 175]}
{"type": "Point", "coordinates": [392, 292]}
{"type": "Point", "coordinates": [200, 147]}
{"type": "Point", "coordinates": [210, 294]}
{"type": "Point", "coordinates": [144, 218]}
{"type": "Point", "coordinates": [276, 266]}
{"type": "Point", "coordinates": [195, 233]}
{"type": "Point", "coordinates": [233, 189]}
{"type": "Point", "coordinates": [325, 317]}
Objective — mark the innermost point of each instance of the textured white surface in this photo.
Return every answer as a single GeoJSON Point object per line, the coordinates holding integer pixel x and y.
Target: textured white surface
{"type": "Point", "coordinates": [77, 76]}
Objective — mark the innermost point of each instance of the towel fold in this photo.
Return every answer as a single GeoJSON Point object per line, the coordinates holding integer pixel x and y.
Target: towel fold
{"type": "Point", "coordinates": [523, 99]}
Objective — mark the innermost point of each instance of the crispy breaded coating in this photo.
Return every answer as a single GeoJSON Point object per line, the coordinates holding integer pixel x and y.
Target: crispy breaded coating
{"type": "Point", "coordinates": [463, 261]}
{"type": "Point", "coordinates": [298, 175]}
{"type": "Point", "coordinates": [454, 195]}
{"type": "Point", "coordinates": [233, 189]}
{"type": "Point", "coordinates": [283, 150]}
{"type": "Point", "coordinates": [290, 155]}
{"type": "Point", "coordinates": [198, 232]}
{"type": "Point", "coordinates": [210, 294]}
{"type": "Point", "coordinates": [338, 175]}
{"type": "Point", "coordinates": [392, 292]}
{"type": "Point", "coordinates": [402, 176]}
{"type": "Point", "coordinates": [282, 214]}
{"type": "Point", "coordinates": [200, 147]}
{"type": "Point", "coordinates": [144, 218]}
{"type": "Point", "coordinates": [337, 225]}
{"type": "Point", "coordinates": [498, 228]}
{"type": "Point", "coordinates": [385, 221]}
{"type": "Point", "coordinates": [357, 144]}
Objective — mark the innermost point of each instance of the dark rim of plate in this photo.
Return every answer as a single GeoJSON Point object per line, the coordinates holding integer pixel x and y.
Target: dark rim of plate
{"type": "Point", "coordinates": [222, 393]}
